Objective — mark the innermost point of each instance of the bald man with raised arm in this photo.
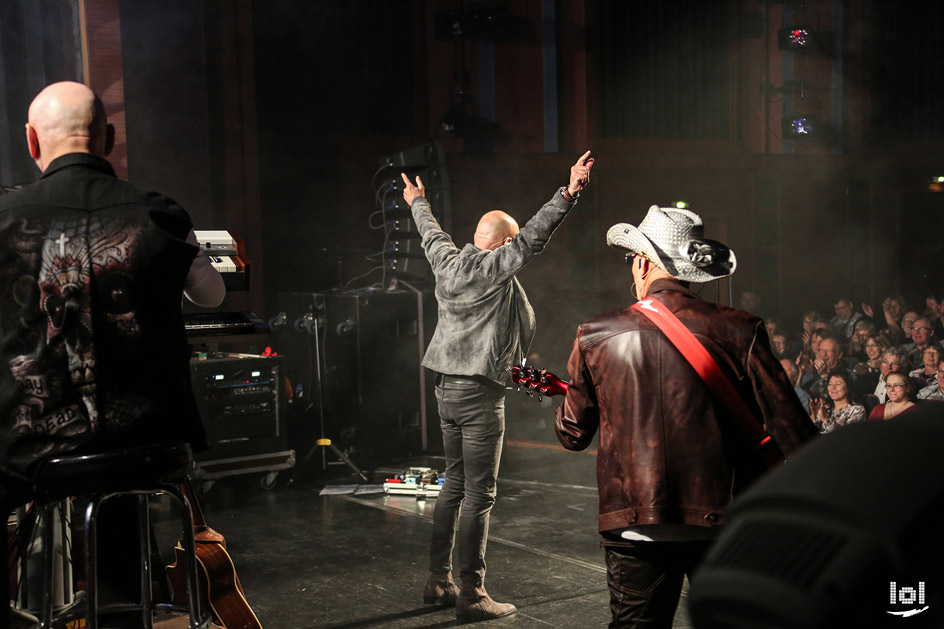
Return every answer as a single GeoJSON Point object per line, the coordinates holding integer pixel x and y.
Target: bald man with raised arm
{"type": "Point", "coordinates": [93, 350]}
{"type": "Point", "coordinates": [485, 325]}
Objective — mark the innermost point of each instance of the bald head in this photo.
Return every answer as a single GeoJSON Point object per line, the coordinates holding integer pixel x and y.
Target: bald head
{"type": "Point", "coordinates": [493, 229]}
{"type": "Point", "coordinates": [67, 117]}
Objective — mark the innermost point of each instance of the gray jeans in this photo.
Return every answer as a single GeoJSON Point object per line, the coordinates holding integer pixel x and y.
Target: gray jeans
{"type": "Point", "coordinates": [472, 416]}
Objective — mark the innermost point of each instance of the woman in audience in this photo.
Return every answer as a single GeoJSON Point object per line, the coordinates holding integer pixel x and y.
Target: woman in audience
{"type": "Point", "coordinates": [927, 373]}
{"type": "Point", "coordinates": [809, 353]}
{"type": "Point", "coordinates": [811, 320]}
{"type": "Point", "coordinates": [875, 346]}
{"type": "Point", "coordinates": [840, 408]}
{"type": "Point", "coordinates": [900, 391]}
{"type": "Point", "coordinates": [863, 329]}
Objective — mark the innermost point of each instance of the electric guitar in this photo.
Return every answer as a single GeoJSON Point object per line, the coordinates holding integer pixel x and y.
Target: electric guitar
{"type": "Point", "coordinates": [538, 382]}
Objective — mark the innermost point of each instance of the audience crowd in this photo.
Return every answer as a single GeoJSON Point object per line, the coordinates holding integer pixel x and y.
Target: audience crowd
{"type": "Point", "coordinates": [859, 365]}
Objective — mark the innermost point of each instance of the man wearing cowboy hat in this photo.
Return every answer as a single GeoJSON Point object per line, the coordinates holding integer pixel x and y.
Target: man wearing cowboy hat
{"type": "Point", "coordinates": [670, 453]}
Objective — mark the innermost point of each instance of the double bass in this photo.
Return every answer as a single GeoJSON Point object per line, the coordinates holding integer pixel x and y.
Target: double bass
{"type": "Point", "coordinates": [219, 588]}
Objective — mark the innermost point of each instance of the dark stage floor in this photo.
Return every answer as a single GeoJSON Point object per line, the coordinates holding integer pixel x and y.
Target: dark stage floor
{"type": "Point", "coordinates": [359, 559]}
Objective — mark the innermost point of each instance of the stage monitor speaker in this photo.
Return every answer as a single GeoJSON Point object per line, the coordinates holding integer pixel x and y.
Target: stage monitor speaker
{"type": "Point", "coordinates": [354, 362]}
{"type": "Point", "coordinates": [845, 534]}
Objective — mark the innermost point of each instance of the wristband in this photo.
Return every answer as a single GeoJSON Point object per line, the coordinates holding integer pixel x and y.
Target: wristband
{"type": "Point", "coordinates": [566, 195]}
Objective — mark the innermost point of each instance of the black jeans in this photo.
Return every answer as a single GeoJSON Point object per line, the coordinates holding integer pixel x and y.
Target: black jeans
{"type": "Point", "coordinates": [472, 416]}
{"type": "Point", "coordinates": [645, 579]}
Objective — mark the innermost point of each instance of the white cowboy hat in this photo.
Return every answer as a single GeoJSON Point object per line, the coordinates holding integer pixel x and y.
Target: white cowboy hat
{"type": "Point", "coordinates": [674, 240]}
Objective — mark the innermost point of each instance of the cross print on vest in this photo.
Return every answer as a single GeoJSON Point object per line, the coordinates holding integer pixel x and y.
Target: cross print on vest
{"type": "Point", "coordinates": [62, 240]}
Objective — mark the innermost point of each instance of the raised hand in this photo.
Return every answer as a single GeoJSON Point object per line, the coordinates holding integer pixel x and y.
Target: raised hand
{"type": "Point", "coordinates": [867, 310]}
{"type": "Point", "coordinates": [816, 408]}
{"type": "Point", "coordinates": [410, 191]}
{"type": "Point", "coordinates": [889, 317]}
{"type": "Point", "coordinates": [580, 174]}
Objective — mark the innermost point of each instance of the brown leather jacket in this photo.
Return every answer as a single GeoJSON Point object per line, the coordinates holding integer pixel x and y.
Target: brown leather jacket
{"type": "Point", "coordinates": [667, 450]}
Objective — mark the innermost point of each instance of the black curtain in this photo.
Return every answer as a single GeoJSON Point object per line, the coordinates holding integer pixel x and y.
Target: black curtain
{"type": "Point", "coordinates": [39, 45]}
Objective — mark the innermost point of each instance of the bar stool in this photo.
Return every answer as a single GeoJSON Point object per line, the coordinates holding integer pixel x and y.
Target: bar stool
{"type": "Point", "coordinates": [144, 472]}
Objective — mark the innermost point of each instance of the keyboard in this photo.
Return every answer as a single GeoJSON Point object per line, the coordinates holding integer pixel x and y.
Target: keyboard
{"type": "Point", "coordinates": [223, 323]}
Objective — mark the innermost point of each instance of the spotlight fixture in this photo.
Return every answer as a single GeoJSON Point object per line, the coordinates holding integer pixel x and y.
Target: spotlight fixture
{"type": "Point", "coordinates": [800, 128]}
{"type": "Point", "coordinates": [682, 205]}
{"type": "Point", "coordinates": [796, 38]}
{"type": "Point", "coordinates": [803, 39]}
{"type": "Point", "coordinates": [936, 184]}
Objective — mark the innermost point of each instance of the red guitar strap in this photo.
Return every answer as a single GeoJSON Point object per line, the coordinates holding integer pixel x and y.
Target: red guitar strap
{"type": "Point", "coordinates": [706, 367]}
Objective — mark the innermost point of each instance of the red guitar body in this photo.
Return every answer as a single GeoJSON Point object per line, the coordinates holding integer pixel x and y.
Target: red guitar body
{"type": "Point", "coordinates": [217, 582]}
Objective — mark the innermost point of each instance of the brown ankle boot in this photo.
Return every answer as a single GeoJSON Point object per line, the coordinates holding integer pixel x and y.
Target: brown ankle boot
{"type": "Point", "coordinates": [475, 604]}
{"type": "Point", "coordinates": [441, 590]}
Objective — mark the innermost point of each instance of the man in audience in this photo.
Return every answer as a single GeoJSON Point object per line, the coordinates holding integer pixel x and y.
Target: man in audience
{"type": "Point", "coordinates": [936, 390]}
{"type": "Point", "coordinates": [793, 373]}
{"type": "Point", "coordinates": [778, 342]}
{"type": "Point", "coordinates": [844, 321]}
{"type": "Point", "coordinates": [749, 301]}
{"type": "Point", "coordinates": [828, 357]}
{"type": "Point", "coordinates": [921, 335]}
{"type": "Point", "coordinates": [907, 324]}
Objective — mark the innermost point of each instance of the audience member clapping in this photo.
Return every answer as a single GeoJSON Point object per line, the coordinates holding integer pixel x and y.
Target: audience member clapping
{"type": "Point", "coordinates": [837, 408]}
{"type": "Point", "coordinates": [875, 346]}
{"type": "Point", "coordinates": [863, 329]}
{"type": "Point", "coordinates": [828, 358]}
{"type": "Point", "coordinates": [811, 321]}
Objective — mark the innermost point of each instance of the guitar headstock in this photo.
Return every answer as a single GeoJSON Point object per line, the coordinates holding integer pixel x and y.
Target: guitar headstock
{"type": "Point", "coordinates": [537, 381]}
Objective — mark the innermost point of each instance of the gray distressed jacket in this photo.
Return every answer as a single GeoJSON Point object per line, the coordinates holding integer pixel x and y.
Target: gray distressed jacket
{"type": "Point", "coordinates": [485, 319]}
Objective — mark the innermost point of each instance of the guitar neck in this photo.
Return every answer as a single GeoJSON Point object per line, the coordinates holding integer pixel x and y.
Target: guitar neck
{"type": "Point", "coordinates": [199, 522]}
